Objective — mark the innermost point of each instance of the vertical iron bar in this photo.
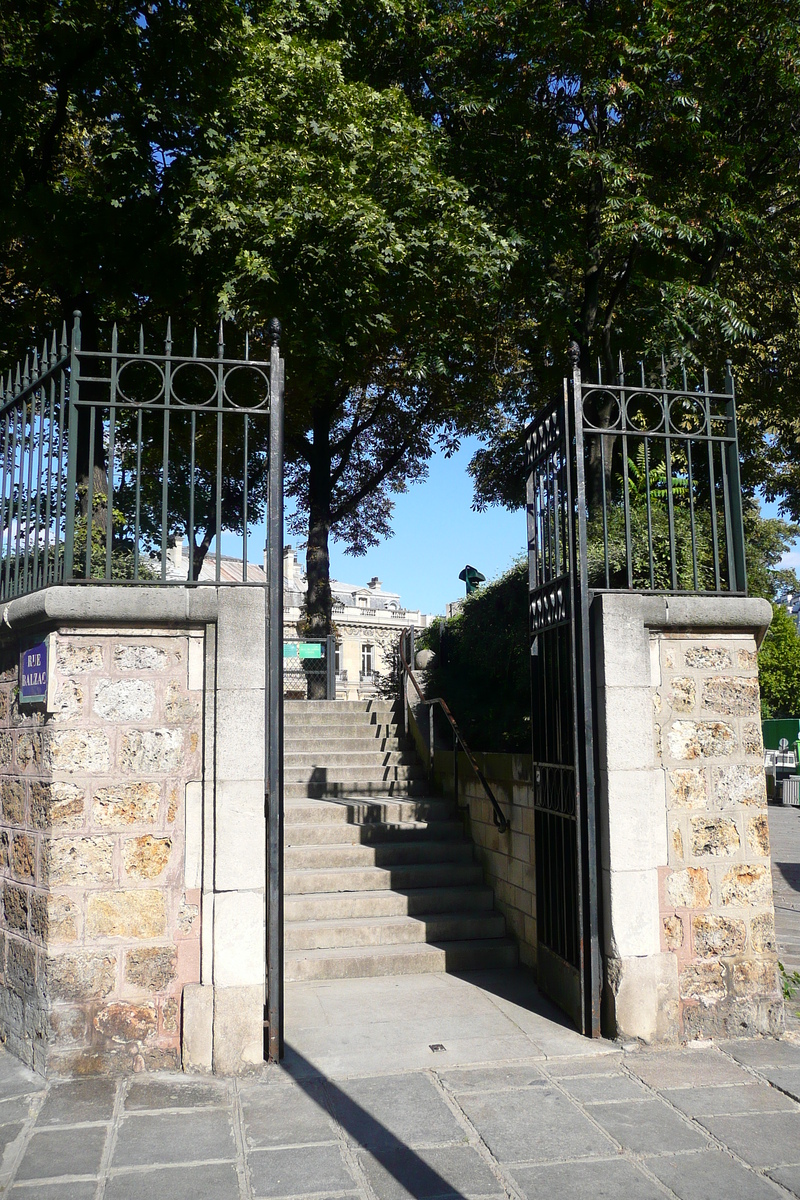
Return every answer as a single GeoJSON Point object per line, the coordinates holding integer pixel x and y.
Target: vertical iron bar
{"type": "Point", "coordinates": [690, 475]}
{"type": "Point", "coordinates": [739, 579]}
{"type": "Point", "coordinates": [40, 393]}
{"type": "Point", "coordinates": [62, 493]}
{"type": "Point", "coordinates": [112, 448]}
{"type": "Point", "coordinates": [712, 486]}
{"type": "Point", "coordinates": [274, 706]}
{"type": "Point", "coordinates": [48, 508]}
{"type": "Point", "coordinates": [137, 491]}
{"type": "Point", "coordinates": [668, 462]}
{"type": "Point", "coordinates": [72, 449]}
{"type": "Point", "coordinates": [90, 492]}
{"type": "Point", "coordinates": [191, 498]}
{"type": "Point", "coordinates": [330, 663]}
{"type": "Point", "coordinates": [28, 442]}
{"type": "Point", "coordinates": [244, 506]}
{"type": "Point", "coordinates": [9, 467]}
{"type": "Point", "coordinates": [646, 445]}
{"type": "Point", "coordinates": [165, 458]}
{"type": "Point", "coordinates": [430, 739]}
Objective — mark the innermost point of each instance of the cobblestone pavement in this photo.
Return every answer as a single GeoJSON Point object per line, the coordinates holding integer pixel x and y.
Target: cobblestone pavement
{"type": "Point", "coordinates": [784, 829]}
{"type": "Point", "coordinates": [709, 1123]}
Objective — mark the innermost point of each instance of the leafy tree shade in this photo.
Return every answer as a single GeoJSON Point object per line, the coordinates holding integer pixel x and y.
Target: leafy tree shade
{"type": "Point", "coordinates": [643, 158]}
{"type": "Point", "coordinates": [482, 665]}
{"type": "Point", "coordinates": [779, 667]}
{"type": "Point", "coordinates": [325, 202]}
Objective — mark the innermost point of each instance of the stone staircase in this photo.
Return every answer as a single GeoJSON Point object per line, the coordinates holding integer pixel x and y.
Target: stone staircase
{"type": "Point", "coordinates": [380, 878]}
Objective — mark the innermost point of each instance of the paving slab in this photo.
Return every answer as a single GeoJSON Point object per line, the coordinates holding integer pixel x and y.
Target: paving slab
{"type": "Point", "coordinates": [212, 1181]}
{"type": "Point", "coordinates": [648, 1127]}
{"type": "Point", "coordinates": [63, 1152]}
{"type": "Point", "coordinates": [785, 1078]}
{"type": "Point", "coordinates": [765, 1052]}
{"type": "Point", "coordinates": [451, 1171]}
{"type": "Point", "coordinates": [63, 1190]}
{"type": "Point", "coordinates": [685, 1068]}
{"type": "Point", "coordinates": [77, 1101]}
{"type": "Point", "coordinates": [169, 1137]}
{"type": "Point", "coordinates": [719, 1101]}
{"type": "Point", "coordinates": [711, 1175]}
{"type": "Point", "coordinates": [544, 1130]}
{"type": "Point", "coordinates": [609, 1062]}
{"type": "Point", "coordinates": [174, 1092]}
{"type": "Point", "coordinates": [392, 1110]}
{"type": "Point", "coordinates": [15, 1110]}
{"type": "Point", "coordinates": [282, 1173]}
{"type": "Point", "coordinates": [788, 1177]}
{"type": "Point", "coordinates": [603, 1089]}
{"type": "Point", "coordinates": [762, 1139]}
{"type": "Point", "coordinates": [290, 1116]}
{"type": "Point", "coordinates": [604, 1180]}
{"type": "Point", "coordinates": [493, 1079]}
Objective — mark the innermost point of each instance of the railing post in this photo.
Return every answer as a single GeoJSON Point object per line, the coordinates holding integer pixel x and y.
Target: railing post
{"type": "Point", "coordinates": [72, 447]}
{"type": "Point", "coordinates": [330, 661]}
{"type": "Point", "coordinates": [734, 483]}
{"type": "Point", "coordinates": [430, 736]}
{"type": "Point", "coordinates": [455, 767]}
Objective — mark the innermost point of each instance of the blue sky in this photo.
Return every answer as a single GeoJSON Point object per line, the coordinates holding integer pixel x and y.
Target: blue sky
{"type": "Point", "coordinates": [436, 535]}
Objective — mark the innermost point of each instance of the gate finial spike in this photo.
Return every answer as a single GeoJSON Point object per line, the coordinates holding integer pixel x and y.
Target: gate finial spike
{"type": "Point", "coordinates": [246, 344]}
{"type": "Point", "coordinates": [34, 362]}
{"type": "Point", "coordinates": [26, 372]}
{"type": "Point", "coordinates": [705, 379]}
{"type": "Point", "coordinates": [114, 338]}
{"type": "Point", "coordinates": [17, 381]}
{"type": "Point", "coordinates": [194, 343]}
{"type": "Point", "coordinates": [663, 372]}
{"type": "Point", "coordinates": [54, 347]}
{"type": "Point", "coordinates": [683, 375]}
{"type": "Point", "coordinates": [141, 338]}
{"type": "Point", "coordinates": [274, 331]}
{"type": "Point", "coordinates": [45, 356]}
{"type": "Point", "coordinates": [64, 342]}
{"type": "Point", "coordinates": [168, 343]}
{"type": "Point", "coordinates": [621, 370]}
{"type": "Point", "coordinates": [220, 341]}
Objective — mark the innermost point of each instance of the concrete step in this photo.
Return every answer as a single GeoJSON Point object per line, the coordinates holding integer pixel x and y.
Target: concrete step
{"type": "Point", "coordinates": [329, 722]}
{"type": "Point", "coordinates": [372, 737]}
{"type": "Point", "coordinates": [331, 906]}
{"type": "Point", "coordinates": [358, 757]}
{"type": "Point", "coordinates": [360, 811]}
{"type": "Point", "coordinates": [389, 854]}
{"type": "Point", "coordinates": [393, 931]}
{"type": "Point", "coordinates": [372, 772]}
{"type": "Point", "coordinates": [369, 961]}
{"type": "Point", "coordinates": [355, 789]}
{"type": "Point", "coordinates": [353, 707]}
{"type": "Point", "coordinates": [364, 879]}
{"type": "Point", "coordinates": [339, 833]}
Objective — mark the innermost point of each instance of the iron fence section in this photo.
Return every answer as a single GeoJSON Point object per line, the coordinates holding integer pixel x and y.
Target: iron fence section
{"type": "Point", "coordinates": [110, 455]}
{"type": "Point", "coordinates": [664, 510]}
{"type": "Point", "coordinates": [309, 668]}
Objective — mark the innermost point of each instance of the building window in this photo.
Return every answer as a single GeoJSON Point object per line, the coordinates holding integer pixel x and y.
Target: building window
{"type": "Point", "coordinates": [363, 601]}
{"type": "Point", "coordinates": [337, 658]}
{"type": "Point", "coordinates": [367, 658]}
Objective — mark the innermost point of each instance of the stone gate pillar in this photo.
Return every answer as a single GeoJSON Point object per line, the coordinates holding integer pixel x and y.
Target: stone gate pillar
{"type": "Point", "coordinates": [689, 937]}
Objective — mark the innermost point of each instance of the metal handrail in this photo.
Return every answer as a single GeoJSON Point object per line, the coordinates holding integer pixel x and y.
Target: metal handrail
{"type": "Point", "coordinates": [498, 816]}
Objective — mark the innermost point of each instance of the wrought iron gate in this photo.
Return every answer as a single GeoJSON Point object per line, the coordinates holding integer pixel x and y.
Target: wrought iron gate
{"type": "Point", "coordinates": [563, 763]}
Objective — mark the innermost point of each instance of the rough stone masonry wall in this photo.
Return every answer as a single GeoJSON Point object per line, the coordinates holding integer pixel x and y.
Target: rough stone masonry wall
{"type": "Point", "coordinates": [507, 858]}
{"type": "Point", "coordinates": [99, 932]}
{"type": "Point", "coordinates": [716, 891]}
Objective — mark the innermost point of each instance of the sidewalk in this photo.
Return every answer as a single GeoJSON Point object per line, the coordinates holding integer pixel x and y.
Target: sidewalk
{"type": "Point", "coordinates": [710, 1123]}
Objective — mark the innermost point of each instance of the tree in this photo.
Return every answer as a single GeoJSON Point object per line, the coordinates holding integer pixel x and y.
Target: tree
{"type": "Point", "coordinates": [642, 156]}
{"type": "Point", "coordinates": [779, 667]}
{"type": "Point", "coordinates": [325, 202]}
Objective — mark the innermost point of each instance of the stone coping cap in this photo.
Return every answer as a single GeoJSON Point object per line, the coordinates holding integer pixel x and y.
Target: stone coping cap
{"type": "Point", "coordinates": [703, 613]}
{"type": "Point", "coordinates": [130, 605]}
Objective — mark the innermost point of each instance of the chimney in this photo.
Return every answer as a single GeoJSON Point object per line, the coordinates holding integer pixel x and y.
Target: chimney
{"type": "Point", "coordinates": [175, 560]}
{"type": "Point", "coordinates": [375, 584]}
{"type": "Point", "coordinates": [289, 568]}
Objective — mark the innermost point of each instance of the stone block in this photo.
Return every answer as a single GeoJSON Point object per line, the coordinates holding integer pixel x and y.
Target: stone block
{"type": "Point", "coordinates": [29, 749]}
{"type": "Point", "coordinates": [193, 848]}
{"type": "Point", "coordinates": [645, 997]}
{"type": "Point", "coordinates": [78, 658]}
{"type": "Point", "coordinates": [687, 788]}
{"type": "Point", "coordinates": [241, 836]}
{"type": "Point", "coordinates": [752, 742]}
{"type": "Point", "coordinates": [127, 914]}
{"type": "Point", "coordinates": [746, 886]}
{"type": "Point", "coordinates": [717, 937]}
{"type": "Point", "coordinates": [704, 982]}
{"type": "Point", "coordinates": [121, 1022]}
{"type": "Point", "coordinates": [20, 973]}
{"type": "Point", "coordinates": [715, 836]}
{"type": "Point", "coordinates": [731, 695]}
{"type": "Point", "coordinates": [239, 939]}
{"type": "Point", "coordinates": [673, 932]}
{"type": "Point", "coordinates": [5, 849]}
{"type": "Point", "coordinates": [676, 843]}
{"type": "Point", "coordinates": [754, 978]}
{"type": "Point", "coordinates": [689, 888]}
{"type": "Point", "coordinates": [705, 658]}
{"type": "Point", "coordinates": [140, 657]}
{"type": "Point", "coordinates": [195, 664]}
{"type": "Point", "coordinates": [12, 797]}
{"type": "Point", "coordinates": [61, 919]}
{"type": "Point", "coordinates": [146, 857]}
{"type": "Point", "coordinates": [151, 967]}
{"type": "Point", "coordinates": [124, 804]}
{"type": "Point", "coordinates": [762, 934]}
{"type": "Point", "coordinates": [178, 707]}
{"type": "Point", "coordinates": [240, 735]}
{"type": "Point", "coordinates": [682, 694]}
{"type": "Point", "coordinates": [240, 638]}
{"type": "Point", "coordinates": [81, 975]}
{"type": "Point", "coordinates": [6, 750]}
{"type": "Point", "coordinates": [740, 784]}
{"type": "Point", "coordinates": [626, 729]}
{"type": "Point", "coordinates": [238, 1029]}
{"type": "Point", "coordinates": [56, 804]}
{"type": "Point", "coordinates": [68, 701]}
{"type": "Point", "coordinates": [197, 1028]}
{"type": "Point", "coordinates": [78, 861]}
{"type": "Point", "coordinates": [124, 699]}
{"type": "Point", "coordinates": [151, 751]}
{"type": "Point", "coordinates": [634, 832]}
{"type": "Point", "coordinates": [170, 1015]}
{"type": "Point", "coordinates": [83, 750]}
{"type": "Point", "coordinates": [758, 835]}
{"type": "Point", "coordinates": [23, 856]}
{"type": "Point", "coordinates": [633, 921]}
{"type": "Point", "coordinates": [15, 907]}
{"type": "Point", "coordinates": [687, 740]}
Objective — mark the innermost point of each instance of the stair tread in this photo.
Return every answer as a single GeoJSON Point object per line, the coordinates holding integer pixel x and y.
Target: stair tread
{"type": "Point", "coordinates": [468, 916]}
{"type": "Point", "coordinates": [401, 948]}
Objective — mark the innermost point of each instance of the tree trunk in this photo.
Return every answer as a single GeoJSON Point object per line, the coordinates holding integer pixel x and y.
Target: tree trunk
{"type": "Point", "coordinates": [319, 601]}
